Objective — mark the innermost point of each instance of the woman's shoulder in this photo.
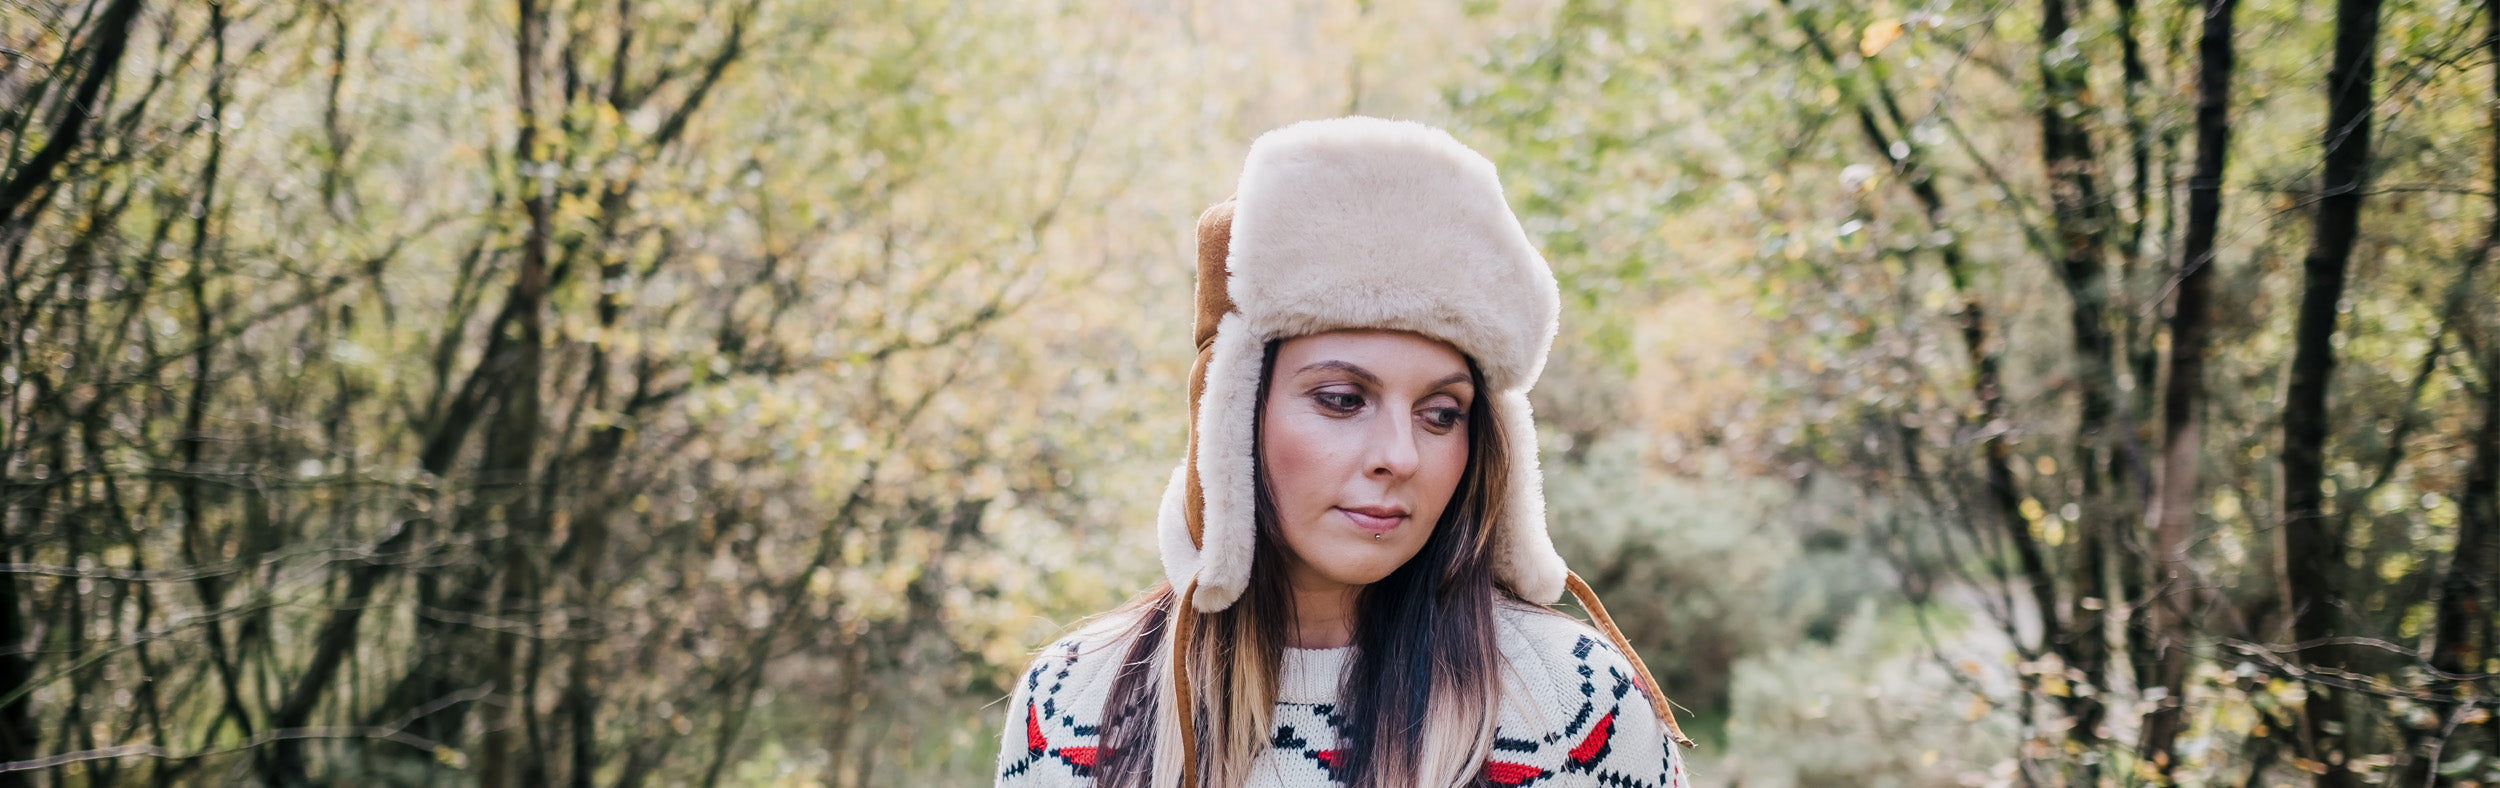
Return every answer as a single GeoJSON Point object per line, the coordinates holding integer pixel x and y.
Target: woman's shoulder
{"type": "Point", "coordinates": [1055, 714]}
{"type": "Point", "coordinates": [1573, 706]}
{"type": "Point", "coordinates": [1562, 657]}
{"type": "Point", "coordinates": [1561, 674]}
{"type": "Point", "coordinates": [1087, 655]}
{"type": "Point", "coordinates": [1549, 640]}
{"type": "Point", "coordinates": [1557, 660]}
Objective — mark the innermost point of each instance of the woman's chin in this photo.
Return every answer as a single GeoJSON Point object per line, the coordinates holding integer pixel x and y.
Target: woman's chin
{"type": "Point", "coordinates": [1360, 562]}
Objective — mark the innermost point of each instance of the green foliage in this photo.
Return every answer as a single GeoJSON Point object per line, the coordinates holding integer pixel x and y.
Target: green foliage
{"type": "Point", "coordinates": [1732, 192]}
{"type": "Point", "coordinates": [1705, 572]}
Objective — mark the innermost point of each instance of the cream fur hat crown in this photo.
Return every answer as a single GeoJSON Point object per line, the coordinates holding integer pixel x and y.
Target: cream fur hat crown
{"type": "Point", "coordinates": [1356, 223]}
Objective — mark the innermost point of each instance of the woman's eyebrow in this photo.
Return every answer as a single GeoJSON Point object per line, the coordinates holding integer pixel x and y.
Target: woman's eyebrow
{"type": "Point", "coordinates": [1351, 369]}
{"type": "Point", "coordinates": [1344, 366]}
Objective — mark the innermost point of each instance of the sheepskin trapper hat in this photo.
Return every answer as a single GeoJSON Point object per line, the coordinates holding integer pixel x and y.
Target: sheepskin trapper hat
{"type": "Point", "coordinates": [1356, 223]}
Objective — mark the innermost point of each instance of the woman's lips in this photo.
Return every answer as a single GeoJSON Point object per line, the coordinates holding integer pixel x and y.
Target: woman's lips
{"type": "Point", "coordinates": [1373, 519]}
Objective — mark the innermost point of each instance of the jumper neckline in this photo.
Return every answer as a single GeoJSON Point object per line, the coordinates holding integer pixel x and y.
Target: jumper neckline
{"type": "Point", "coordinates": [1311, 675]}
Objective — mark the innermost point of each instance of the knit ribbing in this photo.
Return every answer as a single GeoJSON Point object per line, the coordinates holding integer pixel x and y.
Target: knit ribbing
{"type": "Point", "coordinates": [1311, 675]}
{"type": "Point", "coordinates": [1571, 713]}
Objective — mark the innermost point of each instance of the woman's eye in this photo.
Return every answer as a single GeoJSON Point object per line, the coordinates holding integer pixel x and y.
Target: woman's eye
{"type": "Point", "coordinates": [1444, 418]}
{"type": "Point", "coordinates": [1338, 401]}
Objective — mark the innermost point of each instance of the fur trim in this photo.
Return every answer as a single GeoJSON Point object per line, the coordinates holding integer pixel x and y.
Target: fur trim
{"type": "Point", "coordinates": [1180, 558]}
{"type": "Point", "coordinates": [1227, 456]}
{"type": "Point", "coordinates": [1368, 223]}
{"type": "Point", "coordinates": [1525, 553]}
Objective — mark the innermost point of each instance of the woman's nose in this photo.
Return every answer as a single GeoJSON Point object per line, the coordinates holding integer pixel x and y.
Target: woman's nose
{"type": "Point", "coordinates": [1393, 451]}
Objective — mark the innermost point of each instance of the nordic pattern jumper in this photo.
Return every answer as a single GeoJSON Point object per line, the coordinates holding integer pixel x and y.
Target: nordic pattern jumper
{"type": "Point", "coordinates": [1570, 714]}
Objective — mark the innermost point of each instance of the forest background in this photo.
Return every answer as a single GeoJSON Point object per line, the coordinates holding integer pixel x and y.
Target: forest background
{"type": "Point", "coordinates": [626, 392]}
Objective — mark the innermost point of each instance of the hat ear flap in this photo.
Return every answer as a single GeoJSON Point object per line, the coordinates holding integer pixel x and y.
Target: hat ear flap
{"type": "Point", "coordinates": [1227, 463]}
{"type": "Point", "coordinates": [1526, 556]}
{"type": "Point", "coordinates": [1215, 248]}
{"type": "Point", "coordinates": [1180, 553]}
{"type": "Point", "coordinates": [1182, 519]}
{"type": "Point", "coordinates": [1215, 243]}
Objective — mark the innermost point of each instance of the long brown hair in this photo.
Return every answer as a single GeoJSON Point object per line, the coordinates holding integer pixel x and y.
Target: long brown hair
{"type": "Point", "coordinates": [1425, 659]}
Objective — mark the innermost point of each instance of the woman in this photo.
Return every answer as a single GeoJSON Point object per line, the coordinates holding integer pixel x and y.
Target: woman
{"type": "Point", "coordinates": [1355, 552]}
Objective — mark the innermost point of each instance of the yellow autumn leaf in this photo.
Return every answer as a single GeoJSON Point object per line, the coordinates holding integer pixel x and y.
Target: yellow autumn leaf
{"type": "Point", "coordinates": [1879, 35]}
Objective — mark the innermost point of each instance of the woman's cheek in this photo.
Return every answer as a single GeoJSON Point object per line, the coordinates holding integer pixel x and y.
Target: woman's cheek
{"type": "Point", "coordinates": [1449, 463]}
{"type": "Point", "coordinates": [1298, 456]}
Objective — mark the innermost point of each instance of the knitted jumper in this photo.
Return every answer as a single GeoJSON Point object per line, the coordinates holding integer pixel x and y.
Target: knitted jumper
{"type": "Point", "coordinates": [1571, 713]}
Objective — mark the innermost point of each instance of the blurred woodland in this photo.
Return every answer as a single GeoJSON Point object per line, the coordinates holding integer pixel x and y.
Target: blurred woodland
{"type": "Point", "coordinates": [649, 392]}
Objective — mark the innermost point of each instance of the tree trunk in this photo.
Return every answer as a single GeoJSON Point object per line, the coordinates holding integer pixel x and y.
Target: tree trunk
{"type": "Point", "coordinates": [2462, 630]}
{"type": "Point", "coordinates": [2174, 507]}
{"type": "Point", "coordinates": [19, 737]}
{"type": "Point", "coordinates": [2313, 552]}
{"type": "Point", "coordinates": [2083, 221]}
{"type": "Point", "coordinates": [195, 515]}
{"type": "Point", "coordinates": [2136, 332]}
{"type": "Point", "coordinates": [511, 449]}
{"type": "Point", "coordinates": [112, 38]}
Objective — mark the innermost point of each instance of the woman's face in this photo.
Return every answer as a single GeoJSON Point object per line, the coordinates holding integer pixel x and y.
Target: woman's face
{"type": "Point", "coordinates": [1364, 437]}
